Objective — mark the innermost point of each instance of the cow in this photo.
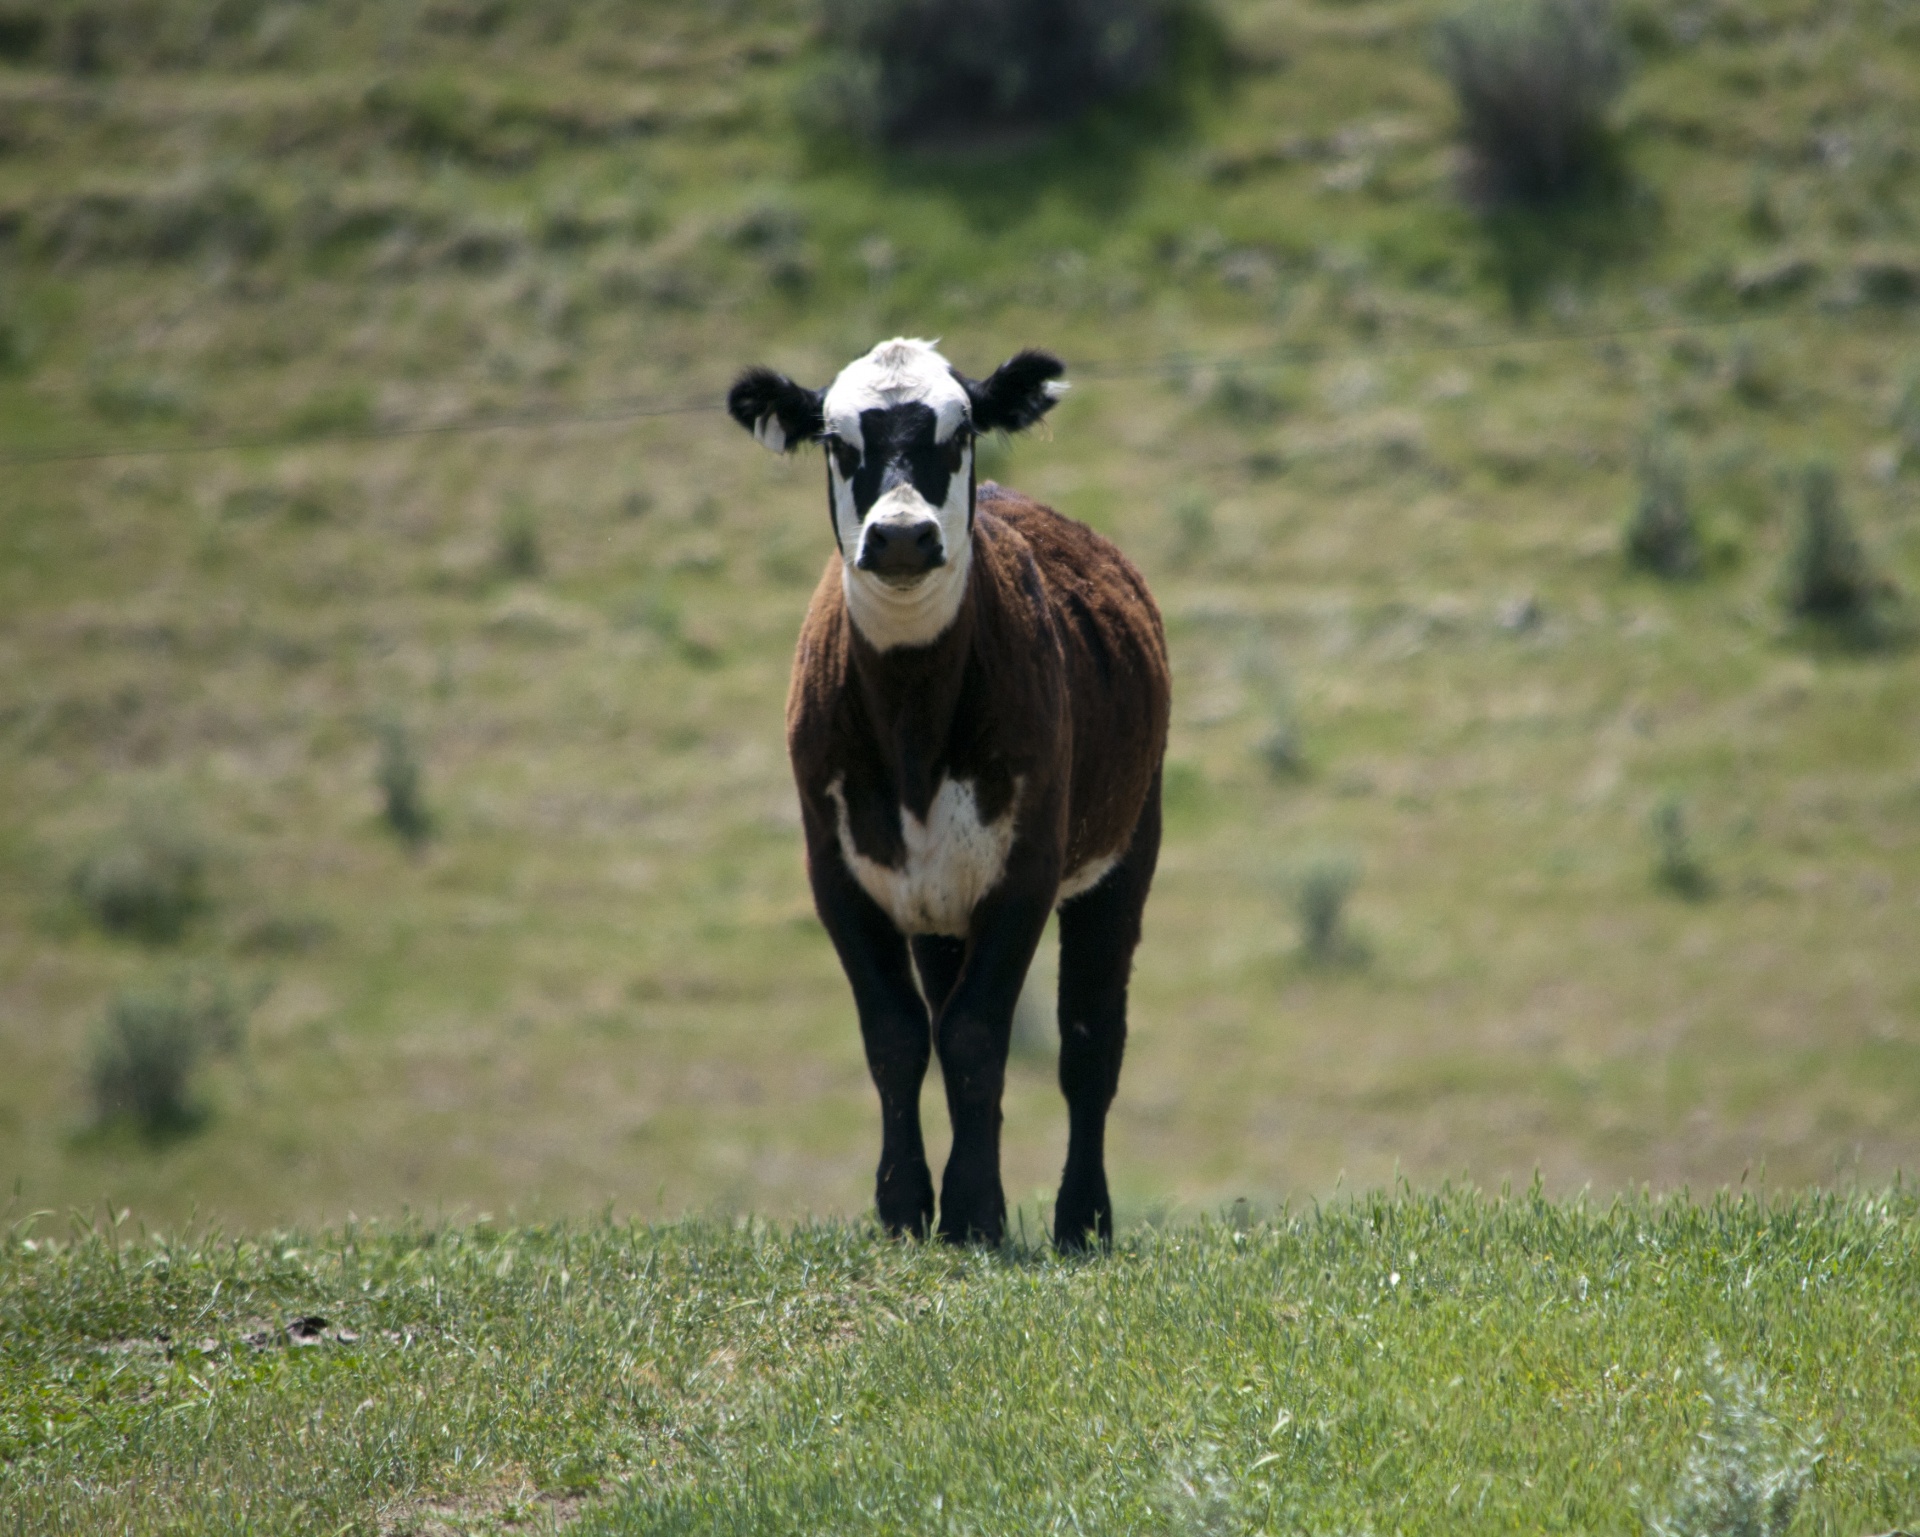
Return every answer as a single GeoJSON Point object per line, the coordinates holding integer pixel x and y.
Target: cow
{"type": "Point", "coordinates": [976, 722]}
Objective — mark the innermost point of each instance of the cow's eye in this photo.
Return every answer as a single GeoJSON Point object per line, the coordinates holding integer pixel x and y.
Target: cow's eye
{"type": "Point", "coordinates": [957, 450]}
{"type": "Point", "coordinates": [845, 455]}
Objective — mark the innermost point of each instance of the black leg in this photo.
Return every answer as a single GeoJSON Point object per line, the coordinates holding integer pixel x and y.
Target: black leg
{"type": "Point", "coordinates": [971, 1032]}
{"type": "Point", "coordinates": [1098, 933]}
{"type": "Point", "coordinates": [894, 1028]}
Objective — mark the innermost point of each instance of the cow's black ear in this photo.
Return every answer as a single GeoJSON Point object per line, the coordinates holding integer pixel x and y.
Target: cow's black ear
{"type": "Point", "coordinates": [1018, 393]}
{"type": "Point", "coordinates": [780, 413]}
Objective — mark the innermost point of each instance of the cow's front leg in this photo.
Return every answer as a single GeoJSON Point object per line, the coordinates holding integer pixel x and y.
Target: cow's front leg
{"type": "Point", "coordinates": [894, 1028]}
{"type": "Point", "coordinates": [972, 1032]}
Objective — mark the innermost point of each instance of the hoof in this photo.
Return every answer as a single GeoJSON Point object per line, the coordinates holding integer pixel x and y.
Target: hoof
{"type": "Point", "coordinates": [904, 1200]}
{"type": "Point", "coordinates": [1083, 1217]}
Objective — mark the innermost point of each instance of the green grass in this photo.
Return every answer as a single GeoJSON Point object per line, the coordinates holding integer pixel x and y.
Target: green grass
{"type": "Point", "coordinates": [599, 979]}
{"type": "Point", "coordinates": [1406, 1363]}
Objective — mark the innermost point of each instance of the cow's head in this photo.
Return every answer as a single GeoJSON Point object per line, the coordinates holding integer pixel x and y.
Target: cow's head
{"type": "Point", "coordinates": [898, 426]}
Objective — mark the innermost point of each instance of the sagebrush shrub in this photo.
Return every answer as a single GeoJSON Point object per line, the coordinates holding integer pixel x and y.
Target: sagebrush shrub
{"type": "Point", "coordinates": [1534, 81]}
{"type": "Point", "coordinates": [1661, 535]}
{"type": "Point", "coordinates": [519, 551]}
{"type": "Point", "coordinates": [1192, 529]}
{"type": "Point", "coordinates": [1321, 904]}
{"type": "Point", "coordinates": [398, 774]}
{"type": "Point", "coordinates": [1747, 1472]}
{"type": "Point", "coordinates": [1906, 422]}
{"type": "Point", "coordinates": [1829, 578]}
{"type": "Point", "coordinates": [1281, 746]}
{"type": "Point", "coordinates": [921, 70]}
{"type": "Point", "coordinates": [148, 881]}
{"type": "Point", "coordinates": [148, 1046]}
{"type": "Point", "coordinates": [1678, 867]}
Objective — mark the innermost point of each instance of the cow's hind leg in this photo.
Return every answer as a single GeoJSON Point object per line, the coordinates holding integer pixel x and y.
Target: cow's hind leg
{"type": "Point", "coordinates": [1098, 933]}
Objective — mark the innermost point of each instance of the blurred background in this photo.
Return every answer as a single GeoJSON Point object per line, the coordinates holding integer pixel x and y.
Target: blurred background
{"type": "Point", "coordinates": [1515, 408]}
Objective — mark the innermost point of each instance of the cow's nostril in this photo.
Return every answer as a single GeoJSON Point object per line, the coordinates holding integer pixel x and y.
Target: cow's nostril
{"type": "Point", "coordinates": [902, 550]}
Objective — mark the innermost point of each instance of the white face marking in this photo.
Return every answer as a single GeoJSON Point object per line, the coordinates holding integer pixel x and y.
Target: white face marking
{"type": "Point", "coordinates": [901, 372]}
{"type": "Point", "coordinates": [953, 860]}
{"type": "Point", "coordinates": [916, 615]}
{"type": "Point", "coordinates": [896, 373]}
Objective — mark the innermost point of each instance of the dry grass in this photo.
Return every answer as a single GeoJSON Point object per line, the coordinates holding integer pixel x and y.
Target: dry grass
{"type": "Point", "coordinates": [600, 980]}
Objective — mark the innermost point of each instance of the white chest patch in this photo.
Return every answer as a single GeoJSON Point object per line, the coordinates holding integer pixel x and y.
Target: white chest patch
{"type": "Point", "coordinates": [953, 860]}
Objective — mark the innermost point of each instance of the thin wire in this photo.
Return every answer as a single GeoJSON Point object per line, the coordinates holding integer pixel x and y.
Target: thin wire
{"type": "Point", "coordinates": [1309, 352]}
{"type": "Point", "coordinates": [637, 408]}
{"type": "Point", "coordinates": [607, 411]}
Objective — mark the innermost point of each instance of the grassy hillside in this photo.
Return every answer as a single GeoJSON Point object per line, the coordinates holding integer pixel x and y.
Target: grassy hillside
{"type": "Point", "coordinates": [1414, 1364]}
{"type": "Point", "coordinates": [399, 296]}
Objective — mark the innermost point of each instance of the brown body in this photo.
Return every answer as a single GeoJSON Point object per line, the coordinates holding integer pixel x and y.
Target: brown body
{"type": "Point", "coordinates": [1053, 676]}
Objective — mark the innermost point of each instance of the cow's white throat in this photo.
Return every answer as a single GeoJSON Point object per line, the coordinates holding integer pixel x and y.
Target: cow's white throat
{"type": "Point", "coordinates": [917, 615]}
{"type": "Point", "coordinates": [953, 859]}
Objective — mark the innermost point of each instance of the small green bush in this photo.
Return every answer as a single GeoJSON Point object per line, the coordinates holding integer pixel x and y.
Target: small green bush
{"type": "Point", "coordinates": [920, 71]}
{"type": "Point", "coordinates": [1677, 867]}
{"type": "Point", "coordinates": [1661, 535]}
{"type": "Point", "coordinates": [518, 551]}
{"type": "Point", "coordinates": [1747, 1472]}
{"type": "Point", "coordinates": [1534, 81]}
{"type": "Point", "coordinates": [148, 881]}
{"type": "Point", "coordinates": [1246, 398]}
{"type": "Point", "coordinates": [148, 1047]}
{"type": "Point", "coordinates": [398, 774]}
{"type": "Point", "coordinates": [1320, 902]}
{"type": "Point", "coordinates": [1829, 579]}
{"type": "Point", "coordinates": [21, 33]}
{"type": "Point", "coordinates": [1906, 422]}
{"type": "Point", "coordinates": [1192, 529]}
{"type": "Point", "coordinates": [1281, 748]}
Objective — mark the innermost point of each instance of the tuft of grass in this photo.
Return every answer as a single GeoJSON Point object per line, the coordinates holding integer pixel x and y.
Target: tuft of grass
{"type": "Point", "coordinates": [1751, 375]}
{"type": "Point", "coordinates": [1320, 904]}
{"type": "Point", "coordinates": [148, 880]}
{"type": "Point", "coordinates": [333, 411]}
{"type": "Point", "coordinates": [517, 550]}
{"type": "Point", "coordinates": [126, 399]}
{"type": "Point", "coordinates": [402, 793]}
{"type": "Point", "coordinates": [148, 1047]}
{"type": "Point", "coordinates": [1677, 865]}
{"type": "Point", "coordinates": [22, 31]}
{"type": "Point", "coordinates": [1245, 398]}
{"type": "Point", "coordinates": [916, 72]}
{"type": "Point", "coordinates": [1747, 1473]}
{"type": "Point", "coordinates": [1661, 536]}
{"type": "Point", "coordinates": [1534, 81]}
{"type": "Point", "coordinates": [1829, 578]}
{"type": "Point", "coordinates": [1906, 424]}
{"type": "Point", "coordinates": [1281, 747]}
{"type": "Point", "coordinates": [1192, 529]}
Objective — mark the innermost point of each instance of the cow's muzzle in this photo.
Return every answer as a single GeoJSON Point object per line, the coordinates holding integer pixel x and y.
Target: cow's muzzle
{"type": "Point", "coordinates": [901, 553]}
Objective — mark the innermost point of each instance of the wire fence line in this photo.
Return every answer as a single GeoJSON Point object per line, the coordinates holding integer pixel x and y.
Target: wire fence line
{"type": "Point", "coordinates": [638, 408]}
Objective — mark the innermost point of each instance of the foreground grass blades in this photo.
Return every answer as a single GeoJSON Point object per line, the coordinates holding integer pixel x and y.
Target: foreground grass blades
{"type": "Point", "coordinates": [1417, 1363]}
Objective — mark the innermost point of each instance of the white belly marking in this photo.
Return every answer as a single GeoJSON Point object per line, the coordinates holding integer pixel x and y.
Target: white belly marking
{"type": "Point", "coordinates": [953, 859]}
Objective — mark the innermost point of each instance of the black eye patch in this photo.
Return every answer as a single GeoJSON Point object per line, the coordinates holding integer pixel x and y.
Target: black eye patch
{"type": "Point", "coordinates": [900, 447]}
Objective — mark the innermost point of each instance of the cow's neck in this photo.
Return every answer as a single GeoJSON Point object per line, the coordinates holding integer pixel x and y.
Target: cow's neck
{"type": "Point", "coordinates": [911, 694]}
